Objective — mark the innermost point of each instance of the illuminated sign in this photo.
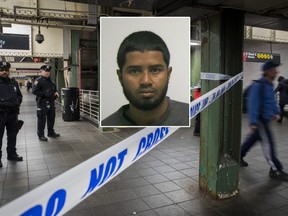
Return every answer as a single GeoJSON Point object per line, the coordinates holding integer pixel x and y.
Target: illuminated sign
{"type": "Point", "coordinates": [14, 41]}
{"type": "Point", "coordinates": [260, 57]}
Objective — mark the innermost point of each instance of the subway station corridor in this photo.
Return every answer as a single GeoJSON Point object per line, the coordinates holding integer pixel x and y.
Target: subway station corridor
{"type": "Point", "coordinates": [162, 183]}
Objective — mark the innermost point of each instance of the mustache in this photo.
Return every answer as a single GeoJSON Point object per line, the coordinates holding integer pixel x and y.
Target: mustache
{"type": "Point", "coordinates": [146, 89]}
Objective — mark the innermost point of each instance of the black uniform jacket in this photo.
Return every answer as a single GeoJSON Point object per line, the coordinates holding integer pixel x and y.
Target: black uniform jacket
{"type": "Point", "coordinates": [44, 89]}
{"type": "Point", "coordinates": [10, 95]}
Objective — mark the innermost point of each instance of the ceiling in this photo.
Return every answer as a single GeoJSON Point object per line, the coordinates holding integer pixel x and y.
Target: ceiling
{"type": "Point", "coordinates": [259, 13]}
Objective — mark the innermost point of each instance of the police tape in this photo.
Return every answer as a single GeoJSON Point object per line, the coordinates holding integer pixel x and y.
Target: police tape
{"type": "Point", "coordinates": [214, 76]}
{"type": "Point", "coordinates": [205, 100]}
{"type": "Point", "coordinates": [65, 191]}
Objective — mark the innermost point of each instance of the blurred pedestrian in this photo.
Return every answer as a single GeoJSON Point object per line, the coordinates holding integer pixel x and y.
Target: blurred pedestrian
{"type": "Point", "coordinates": [262, 108]}
{"type": "Point", "coordinates": [28, 85]}
{"type": "Point", "coordinates": [282, 88]}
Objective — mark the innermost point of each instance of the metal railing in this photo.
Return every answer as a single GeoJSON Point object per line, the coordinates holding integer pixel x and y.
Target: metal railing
{"type": "Point", "coordinates": [90, 105]}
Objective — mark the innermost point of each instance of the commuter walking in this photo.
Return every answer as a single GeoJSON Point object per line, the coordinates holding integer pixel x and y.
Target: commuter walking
{"type": "Point", "coordinates": [282, 88]}
{"type": "Point", "coordinates": [10, 101]}
{"type": "Point", "coordinates": [46, 93]}
{"type": "Point", "coordinates": [262, 108]}
{"type": "Point", "coordinates": [28, 85]}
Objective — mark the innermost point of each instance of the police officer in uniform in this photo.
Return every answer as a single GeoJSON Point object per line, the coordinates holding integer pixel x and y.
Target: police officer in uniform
{"type": "Point", "coordinates": [10, 101]}
{"type": "Point", "coordinates": [46, 93]}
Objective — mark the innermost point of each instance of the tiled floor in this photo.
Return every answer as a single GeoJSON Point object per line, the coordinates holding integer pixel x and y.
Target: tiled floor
{"type": "Point", "coordinates": [163, 182]}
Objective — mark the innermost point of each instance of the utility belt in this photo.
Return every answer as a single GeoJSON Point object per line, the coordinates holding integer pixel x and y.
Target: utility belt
{"type": "Point", "coordinates": [38, 99]}
{"type": "Point", "coordinates": [41, 100]}
{"type": "Point", "coordinates": [45, 103]}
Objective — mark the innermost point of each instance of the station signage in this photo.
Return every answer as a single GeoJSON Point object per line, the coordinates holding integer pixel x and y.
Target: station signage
{"type": "Point", "coordinates": [14, 41]}
{"type": "Point", "coordinates": [260, 57]}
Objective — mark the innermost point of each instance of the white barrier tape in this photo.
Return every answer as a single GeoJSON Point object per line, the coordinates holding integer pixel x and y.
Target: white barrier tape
{"type": "Point", "coordinates": [214, 76]}
{"type": "Point", "coordinates": [62, 193]}
{"type": "Point", "coordinates": [195, 87]}
{"type": "Point", "coordinates": [70, 188]}
{"type": "Point", "coordinates": [205, 100]}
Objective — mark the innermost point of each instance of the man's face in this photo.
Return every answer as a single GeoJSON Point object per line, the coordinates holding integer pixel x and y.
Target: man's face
{"type": "Point", "coordinates": [144, 78]}
{"type": "Point", "coordinates": [272, 74]}
{"type": "Point", "coordinates": [45, 73]}
{"type": "Point", "coordinates": [4, 72]}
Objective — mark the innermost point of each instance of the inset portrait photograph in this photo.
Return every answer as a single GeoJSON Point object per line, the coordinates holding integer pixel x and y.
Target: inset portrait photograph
{"type": "Point", "coordinates": [144, 71]}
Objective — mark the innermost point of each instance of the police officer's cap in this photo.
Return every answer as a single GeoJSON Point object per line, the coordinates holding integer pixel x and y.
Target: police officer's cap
{"type": "Point", "coordinates": [45, 67]}
{"type": "Point", "coordinates": [5, 65]}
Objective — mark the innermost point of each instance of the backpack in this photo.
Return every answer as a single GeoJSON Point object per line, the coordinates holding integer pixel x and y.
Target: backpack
{"type": "Point", "coordinates": [246, 94]}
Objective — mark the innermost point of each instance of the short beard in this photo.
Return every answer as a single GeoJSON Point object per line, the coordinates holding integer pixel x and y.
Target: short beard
{"type": "Point", "coordinates": [146, 104]}
{"type": "Point", "coordinates": [4, 77]}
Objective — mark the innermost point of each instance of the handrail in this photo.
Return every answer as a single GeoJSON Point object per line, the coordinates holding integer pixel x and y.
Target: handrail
{"type": "Point", "coordinates": [90, 105]}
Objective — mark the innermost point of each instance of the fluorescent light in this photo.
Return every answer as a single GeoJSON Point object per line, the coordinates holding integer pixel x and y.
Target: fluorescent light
{"type": "Point", "coordinates": [195, 43]}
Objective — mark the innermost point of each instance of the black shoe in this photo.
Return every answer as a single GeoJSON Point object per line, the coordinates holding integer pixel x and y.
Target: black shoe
{"type": "Point", "coordinates": [54, 135]}
{"type": "Point", "coordinates": [278, 174]}
{"type": "Point", "coordinates": [43, 138]}
{"type": "Point", "coordinates": [14, 157]}
{"type": "Point", "coordinates": [196, 134]}
{"type": "Point", "coordinates": [243, 163]}
{"type": "Point", "coordinates": [1, 165]}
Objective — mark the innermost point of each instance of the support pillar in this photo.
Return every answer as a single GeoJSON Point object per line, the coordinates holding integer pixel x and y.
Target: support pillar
{"type": "Point", "coordinates": [60, 76]}
{"type": "Point", "coordinates": [57, 74]}
{"type": "Point", "coordinates": [222, 41]}
{"type": "Point", "coordinates": [75, 82]}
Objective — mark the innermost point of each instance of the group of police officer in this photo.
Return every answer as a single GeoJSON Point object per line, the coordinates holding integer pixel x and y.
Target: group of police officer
{"type": "Point", "coordinates": [10, 100]}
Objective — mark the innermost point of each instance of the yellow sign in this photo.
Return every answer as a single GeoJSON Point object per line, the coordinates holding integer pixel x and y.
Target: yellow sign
{"type": "Point", "coordinates": [263, 56]}
{"type": "Point", "coordinates": [260, 57]}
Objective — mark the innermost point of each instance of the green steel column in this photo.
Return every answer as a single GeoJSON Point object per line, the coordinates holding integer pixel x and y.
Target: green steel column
{"type": "Point", "coordinates": [75, 58]}
{"type": "Point", "coordinates": [195, 66]}
{"type": "Point", "coordinates": [222, 42]}
{"type": "Point", "coordinates": [53, 72]}
{"type": "Point", "coordinates": [60, 76]}
{"type": "Point", "coordinates": [56, 74]}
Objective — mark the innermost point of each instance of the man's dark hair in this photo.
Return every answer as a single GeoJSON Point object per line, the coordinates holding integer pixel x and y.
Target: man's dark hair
{"type": "Point", "coordinates": [142, 41]}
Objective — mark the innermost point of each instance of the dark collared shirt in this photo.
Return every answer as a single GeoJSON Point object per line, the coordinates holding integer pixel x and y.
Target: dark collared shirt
{"type": "Point", "coordinates": [177, 114]}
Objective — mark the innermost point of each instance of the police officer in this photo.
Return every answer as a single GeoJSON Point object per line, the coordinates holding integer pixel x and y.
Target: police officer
{"type": "Point", "coordinates": [46, 93]}
{"type": "Point", "coordinates": [10, 101]}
